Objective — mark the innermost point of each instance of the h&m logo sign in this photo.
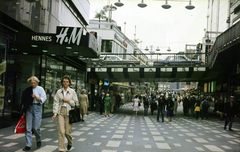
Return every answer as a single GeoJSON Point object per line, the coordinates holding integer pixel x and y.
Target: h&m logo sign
{"type": "Point", "coordinates": [69, 35]}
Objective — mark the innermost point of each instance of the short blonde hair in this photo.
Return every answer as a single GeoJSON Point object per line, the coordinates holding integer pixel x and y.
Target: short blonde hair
{"type": "Point", "coordinates": [107, 95]}
{"type": "Point", "coordinates": [33, 78]}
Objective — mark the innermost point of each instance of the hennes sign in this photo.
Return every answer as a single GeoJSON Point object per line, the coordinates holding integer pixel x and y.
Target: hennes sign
{"type": "Point", "coordinates": [64, 35]}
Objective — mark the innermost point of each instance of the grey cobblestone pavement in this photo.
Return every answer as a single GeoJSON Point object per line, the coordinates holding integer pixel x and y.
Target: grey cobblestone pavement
{"type": "Point", "coordinates": [125, 132]}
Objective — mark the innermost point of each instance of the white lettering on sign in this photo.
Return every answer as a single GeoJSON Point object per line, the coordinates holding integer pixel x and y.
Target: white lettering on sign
{"type": "Point", "coordinates": [41, 38]}
{"type": "Point", "coordinates": [74, 36]}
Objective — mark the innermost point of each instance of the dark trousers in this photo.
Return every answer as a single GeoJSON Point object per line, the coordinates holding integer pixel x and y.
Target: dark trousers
{"type": "Point", "coordinates": [197, 114]}
{"type": "Point", "coordinates": [205, 113]}
{"type": "Point", "coordinates": [229, 119]}
{"type": "Point", "coordinates": [185, 110]}
{"type": "Point", "coordinates": [162, 113]}
{"type": "Point", "coordinates": [145, 111]}
{"type": "Point", "coordinates": [101, 108]}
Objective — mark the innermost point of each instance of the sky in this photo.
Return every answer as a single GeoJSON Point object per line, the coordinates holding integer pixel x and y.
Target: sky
{"type": "Point", "coordinates": [158, 27]}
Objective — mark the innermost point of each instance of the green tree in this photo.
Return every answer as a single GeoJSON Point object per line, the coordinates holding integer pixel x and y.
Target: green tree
{"type": "Point", "coordinates": [100, 15]}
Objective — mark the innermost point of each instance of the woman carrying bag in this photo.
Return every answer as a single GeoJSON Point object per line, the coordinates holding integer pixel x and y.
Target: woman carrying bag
{"type": "Point", "coordinates": [32, 99]}
{"type": "Point", "coordinates": [64, 100]}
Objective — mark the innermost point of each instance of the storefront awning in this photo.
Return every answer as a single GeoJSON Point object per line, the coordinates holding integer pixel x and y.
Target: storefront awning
{"type": "Point", "coordinates": [68, 41]}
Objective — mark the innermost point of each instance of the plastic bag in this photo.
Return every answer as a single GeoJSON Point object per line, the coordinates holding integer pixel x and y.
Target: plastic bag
{"type": "Point", "coordinates": [21, 126]}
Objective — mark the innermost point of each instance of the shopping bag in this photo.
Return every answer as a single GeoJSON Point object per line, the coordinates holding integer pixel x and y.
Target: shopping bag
{"type": "Point", "coordinates": [74, 115]}
{"type": "Point", "coordinates": [21, 126]}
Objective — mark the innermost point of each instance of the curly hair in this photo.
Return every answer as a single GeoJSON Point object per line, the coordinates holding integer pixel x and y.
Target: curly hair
{"type": "Point", "coordinates": [66, 77]}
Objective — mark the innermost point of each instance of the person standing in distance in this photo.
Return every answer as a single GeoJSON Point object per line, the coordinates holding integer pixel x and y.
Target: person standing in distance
{"type": "Point", "coordinates": [64, 100]}
{"type": "Point", "coordinates": [32, 99]}
{"type": "Point", "coordinates": [230, 112]}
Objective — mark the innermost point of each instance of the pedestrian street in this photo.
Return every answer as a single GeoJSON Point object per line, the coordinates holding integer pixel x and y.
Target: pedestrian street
{"type": "Point", "coordinates": [125, 132]}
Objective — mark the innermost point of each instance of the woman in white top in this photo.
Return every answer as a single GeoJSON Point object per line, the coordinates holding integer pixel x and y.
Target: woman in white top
{"type": "Point", "coordinates": [64, 100]}
{"type": "Point", "coordinates": [136, 101]}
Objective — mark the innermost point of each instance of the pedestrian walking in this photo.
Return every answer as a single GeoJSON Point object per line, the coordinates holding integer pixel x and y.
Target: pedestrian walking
{"type": "Point", "coordinates": [136, 102]}
{"type": "Point", "coordinates": [205, 106]}
{"type": "Point", "coordinates": [113, 102]}
{"type": "Point", "coordinates": [146, 106]}
{"type": "Point", "coordinates": [185, 106]}
{"type": "Point", "coordinates": [32, 99]}
{"type": "Point", "coordinates": [170, 105]}
{"type": "Point", "coordinates": [101, 102]}
{"type": "Point", "coordinates": [175, 107]}
{"type": "Point", "coordinates": [107, 105]}
{"type": "Point", "coordinates": [197, 109]}
{"type": "Point", "coordinates": [161, 108]}
{"type": "Point", "coordinates": [230, 111]}
{"type": "Point", "coordinates": [64, 100]}
{"type": "Point", "coordinates": [83, 103]}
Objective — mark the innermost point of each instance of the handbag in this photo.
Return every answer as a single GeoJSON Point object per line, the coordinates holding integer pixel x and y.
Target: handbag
{"type": "Point", "coordinates": [21, 126]}
{"type": "Point", "coordinates": [87, 113]}
{"type": "Point", "coordinates": [74, 115]}
{"type": "Point", "coordinates": [139, 104]}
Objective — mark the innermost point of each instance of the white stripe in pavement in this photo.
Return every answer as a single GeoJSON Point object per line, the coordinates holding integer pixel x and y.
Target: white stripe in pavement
{"type": "Point", "coordinates": [147, 146]}
{"type": "Point", "coordinates": [46, 139]}
{"type": "Point", "coordinates": [97, 144]}
{"type": "Point", "coordinates": [10, 144]}
{"type": "Point", "coordinates": [200, 140]}
{"type": "Point", "coordinates": [213, 148]}
{"type": "Point", "coordinates": [191, 134]}
{"type": "Point", "coordinates": [77, 133]}
{"type": "Point", "coordinates": [199, 149]}
{"type": "Point", "coordinates": [155, 133]}
{"type": "Point", "coordinates": [188, 140]}
{"type": "Point", "coordinates": [82, 139]}
{"type": "Point", "coordinates": [158, 138]}
{"type": "Point", "coordinates": [211, 139]}
{"type": "Point", "coordinates": [113, 144]}
{"type": "Point", "coordinates": [163, 146]}
{"type": "Point", "coordinates": [117, 136]}
{"type": "Point", "coordinates": [232, 142]}
{"type": "Point", "coordinates": [128, 143]}
{"type": "Point", "coordinates": [109, 151]}
{"type": "Point", "coordinates": [120, 132]}
{"type": "Point", "coordinates": [227, 136]}
{"type": "Point", "coordinates": [177, 144]}
{"type": "Point", "coordinates": [226, 147]}
{"type": "Point", "coordinates": [15, 136]}
{"type": "Point", "coordinates": [48, 148]}
{"type": "Point", "coordinates": [50, 125]}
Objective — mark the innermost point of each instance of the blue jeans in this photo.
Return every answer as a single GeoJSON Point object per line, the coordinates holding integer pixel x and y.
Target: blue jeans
{"type": "Point", "coordinates": [162, 113]}
{"type": "Point", "coordinates": [33, 122]}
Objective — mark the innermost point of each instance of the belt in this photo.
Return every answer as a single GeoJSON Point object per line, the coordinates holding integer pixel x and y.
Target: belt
{"type": "Point", "coordinates": [36, 104]}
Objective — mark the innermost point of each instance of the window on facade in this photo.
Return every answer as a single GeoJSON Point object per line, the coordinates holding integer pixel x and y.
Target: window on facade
{"type": "Point", "coordinates": [106, 46]}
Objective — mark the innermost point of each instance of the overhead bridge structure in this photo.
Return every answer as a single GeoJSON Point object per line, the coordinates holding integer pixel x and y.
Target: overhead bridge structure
{"type": "Point", "coordinates": [152, 74]}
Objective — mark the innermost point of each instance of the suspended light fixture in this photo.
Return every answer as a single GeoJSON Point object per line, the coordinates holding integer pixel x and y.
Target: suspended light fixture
{"type": "Point", "coordinates": [168, 49]}
{"type": "Point", "coordinates": [157, 49]}
{"type": "Point", "coordinates": [190, 6]}
{"type": "Point", "coordinates": [147, 48]}
{"type": "Point", "coordinates": [142, 5]}
{"type": "Point", "coordinates": [166, 5]}
{"type": "Point", "coordinates": [119, 4]}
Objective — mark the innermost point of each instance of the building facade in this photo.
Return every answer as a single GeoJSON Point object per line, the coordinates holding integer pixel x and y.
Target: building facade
{"type": "Point", "coordinates": [31, 44]}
